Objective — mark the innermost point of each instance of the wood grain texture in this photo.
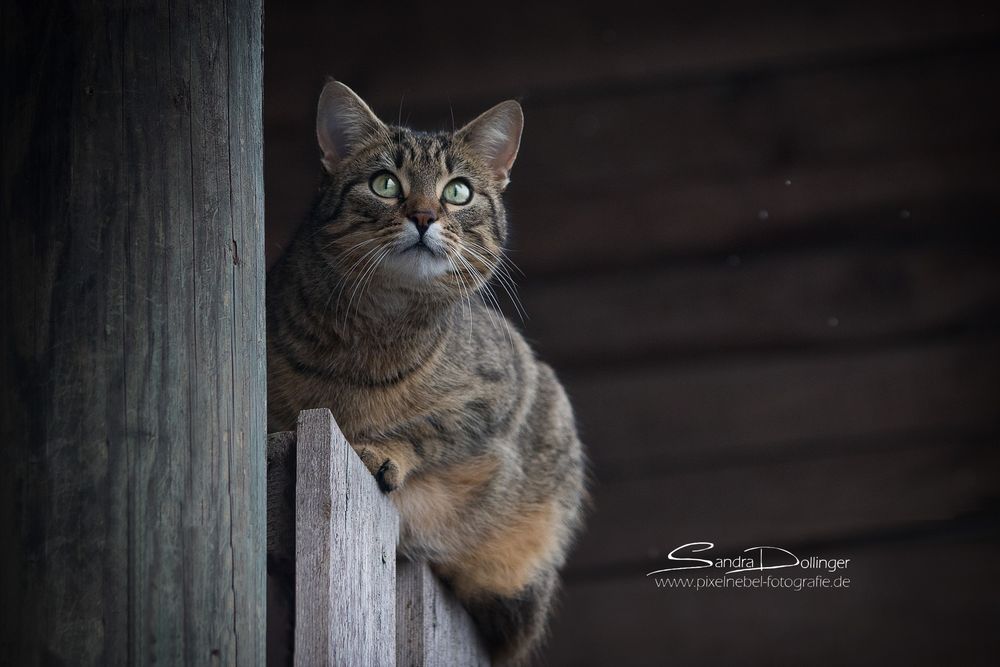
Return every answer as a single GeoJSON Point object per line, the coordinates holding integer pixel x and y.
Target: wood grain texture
{"type": "Point", "coordinates": [518, 52]}
{"type": "Point", "coordinates": [862, 487]}
{"type": "Point", "coordinates": [908, 199]}
{"type": "Point", "coordinates": [432, 627]}
{"type": "Point", "coordinates": [718, 409]}
{"type": "Point", "coordinates": [895, 588]}
{"type": "Point", "coordinates": [778, 300]}
{"type": "Point", "coordinates": [742, 126]}
{"type": "Point", "coordinates": [133, 374]}
{"type": "Point", "coordinates": [242, 69]}
{"type": "Point", "coordinates": [700, 192]}
{"type": "Point", "coordinates": [346, 532]}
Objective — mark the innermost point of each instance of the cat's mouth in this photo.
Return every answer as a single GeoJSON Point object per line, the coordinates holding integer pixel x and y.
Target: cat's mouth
{"type": "Point", "coordinates": [420, 248]}
{"type": "Point", "coordinates": [419, 259]}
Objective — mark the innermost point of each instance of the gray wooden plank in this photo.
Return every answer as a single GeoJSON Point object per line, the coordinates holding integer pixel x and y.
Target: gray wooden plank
{"type": "Point", "coordinates": [139, 534]}
{"type": "Point", "coordinates": [245, 149]}
{"type": "Point", "coordinates": [346, 532]}
{"type": "Point", "coordinates": [226, 326]}
{"type": "Point", "coordinates": [161, 304]}
{"type": "Point", "coordinates": [432, 627]}
{"type": "Point", "coordinates": [64, 502]}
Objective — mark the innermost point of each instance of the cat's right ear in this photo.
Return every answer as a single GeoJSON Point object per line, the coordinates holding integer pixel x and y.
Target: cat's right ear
{"type": "Point", "coordinates": [343, 121]}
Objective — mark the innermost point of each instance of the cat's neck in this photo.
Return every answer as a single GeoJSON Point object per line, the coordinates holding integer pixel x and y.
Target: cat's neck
{"type": "Point", "coordinates": [370, 328]}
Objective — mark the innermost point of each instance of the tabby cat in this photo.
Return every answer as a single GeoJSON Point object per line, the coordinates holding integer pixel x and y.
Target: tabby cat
{"type": "Point", "coordinates": [375, 311]}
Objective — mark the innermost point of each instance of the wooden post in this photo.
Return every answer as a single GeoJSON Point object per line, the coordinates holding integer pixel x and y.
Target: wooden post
{"type": "Point", "coordinates": [345, 552]}
{"type": "Point", "coordinates": [132, 353]}
{"type": "Point", "coordinates": [432, 627]}
{"type": "Point", "coordinates": [331, 543]}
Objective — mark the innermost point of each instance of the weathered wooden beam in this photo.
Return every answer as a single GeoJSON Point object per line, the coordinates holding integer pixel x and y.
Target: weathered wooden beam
{"type": "Point", "coordinates": [133, 361]}
{"type": "Point", "coordinates": [432, 627]}
{"type": "Point", "coordinates": [345, 552]}
{"type": "Point", "coordinates": [331, 563]}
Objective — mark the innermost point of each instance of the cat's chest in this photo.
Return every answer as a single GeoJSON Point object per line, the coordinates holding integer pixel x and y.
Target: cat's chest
{"type": "Point", "coordinates": [365, 410]}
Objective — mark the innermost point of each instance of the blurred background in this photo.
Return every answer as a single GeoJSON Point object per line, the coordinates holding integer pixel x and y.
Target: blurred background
{"type": "Point", "coordinates": [760, 245]}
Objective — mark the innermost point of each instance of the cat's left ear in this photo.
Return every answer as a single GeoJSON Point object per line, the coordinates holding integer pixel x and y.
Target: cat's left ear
{"type": "Point", "coordinates": [496, 136]}
{"type": "Point", "coordinates": [343, 122]}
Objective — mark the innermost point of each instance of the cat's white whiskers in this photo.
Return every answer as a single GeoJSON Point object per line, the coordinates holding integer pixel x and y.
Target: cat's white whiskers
{"type": "Point", "coordinates": [503, 320]}
{"type": "Point", "coordinates": [371, 275]}
{"type": "Point", "coordinates": [484, 291]}
{"type": "Point", "coordinates": [502, 256]}
{"type": "Point", "coordinates": [369, 270]}
{"type": "Point", "coordinates": [345, 276]}
{"type": "Point", "coordinates": [460, 279]}
{"type": "Point", "coordinates": [504, 279]}
{"type": "Point", "coordinates": [337, 239]}
{"type": "Point", "coordinates": [348, 274]}
{"type": "Point", "coordinates": [343, 256]}
{"type": "Point", "coordinates": [503, 260]}
{"type": "Point", "coordinates": [466, 296]}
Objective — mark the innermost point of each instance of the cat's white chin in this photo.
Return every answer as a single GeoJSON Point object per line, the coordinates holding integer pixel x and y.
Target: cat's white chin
{"type": "Point", "coordinates": [417, 263]}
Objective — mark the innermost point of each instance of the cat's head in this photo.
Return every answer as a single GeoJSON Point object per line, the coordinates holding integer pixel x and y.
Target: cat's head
{"type": "Point", "coordinates": [417, 211]}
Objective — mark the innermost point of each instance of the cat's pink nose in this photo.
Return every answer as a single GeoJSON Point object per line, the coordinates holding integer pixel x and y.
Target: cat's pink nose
{"type": "Point", "coordinates": [422, 219]}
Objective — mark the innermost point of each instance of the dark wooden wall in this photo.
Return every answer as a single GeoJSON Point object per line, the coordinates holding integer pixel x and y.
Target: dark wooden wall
{"type": "Point", "coordinates": [761, 247]}
{"type": "Point", "coordinates": [132, 372]}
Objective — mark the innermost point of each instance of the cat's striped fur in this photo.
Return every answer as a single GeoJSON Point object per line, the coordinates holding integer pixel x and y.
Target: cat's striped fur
{"type": "Point", "coordinates": [472, 437]}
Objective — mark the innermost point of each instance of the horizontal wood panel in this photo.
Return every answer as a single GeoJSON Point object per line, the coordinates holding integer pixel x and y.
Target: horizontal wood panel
{"type": "Point", "coordinates": [909, 603]}
{"type": "Point", "coordinates": [742, 126]}
{"type": "Point", "coordinates": [795, 500]}
{"type": "Point", "coordinates": [480, 52]}
{"type": "Point", "coordinates": [661, 413]}
{"type": "Point", "coordinates": [900, 198]}
{"type": "Point", "coordinates": [750, 300]}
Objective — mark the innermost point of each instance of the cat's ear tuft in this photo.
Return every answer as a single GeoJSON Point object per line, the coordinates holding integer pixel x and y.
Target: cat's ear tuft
{"type": "Point", "coordinates": [496, 136]}
{"type": "Point", "coordinates": [343, 121]}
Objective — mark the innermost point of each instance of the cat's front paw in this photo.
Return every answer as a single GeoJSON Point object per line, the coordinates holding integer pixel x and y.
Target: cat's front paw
{"type": "Point", "coordinates": [388, 476]}
{"type": "Point", "coordinates": [386, 471]}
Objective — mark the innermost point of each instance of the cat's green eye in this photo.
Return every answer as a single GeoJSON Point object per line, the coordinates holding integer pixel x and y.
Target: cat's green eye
{"type": "Point", "coordinates": [457, 192]}
{"type": "Point", "coordinates": [385, 185]}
